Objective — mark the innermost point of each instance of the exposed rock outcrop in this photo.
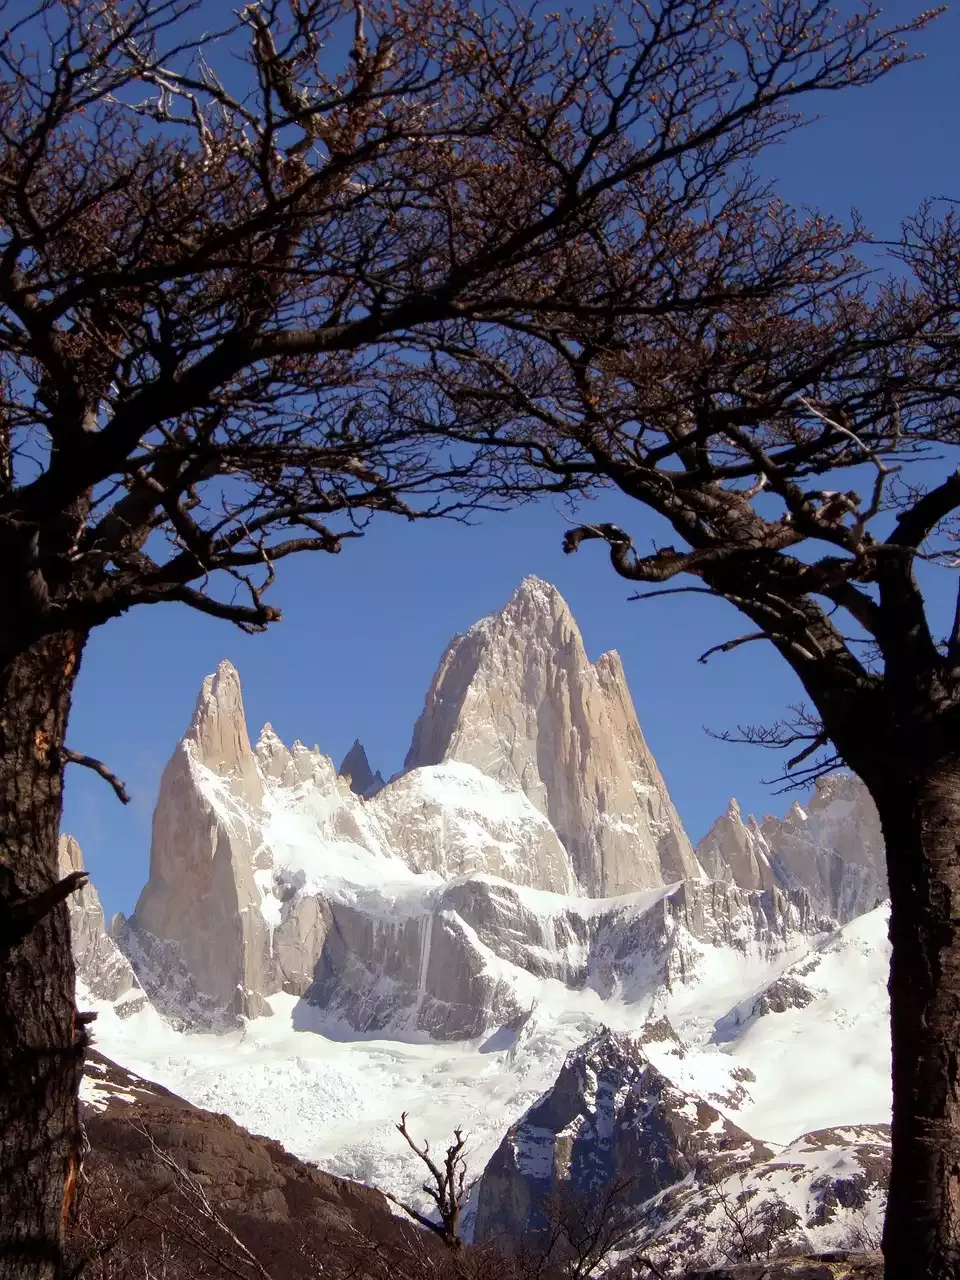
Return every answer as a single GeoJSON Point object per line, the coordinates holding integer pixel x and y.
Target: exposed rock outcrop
{"type": "Point", "coordinates": [101, 967]}
{"type": "Point", "coordinates": [826, 1190]}
{"type": "Point", "coordinates": [736, 851]}
{"type": "Point", "coordinates": [427, 903]}
{"type": "Point", "coordinates": [356, 768]}
{"type": "Point", "coordinates": [517, 697]}
{"type": "Point", "coordinates": [616, 1138]}
{"type": "Point", "coordinates": [201, 893]}
{"type": "Point", "coordinates": [294, 1218]}
{"type": "Point", "coordinates": [832, 846]}
{"type": "Point", "coordinates": [611, 1121]}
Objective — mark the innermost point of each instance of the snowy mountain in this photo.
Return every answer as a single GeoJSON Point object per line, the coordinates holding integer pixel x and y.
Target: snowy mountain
{"type": "Point", "coordinates": [106, 971]}
{"type": "Point", "coordinates": [315, 950]}
{"type": "Point", "coordinates": [832, 846]}
{"type": "Point", "coordinates": [517, 698]}
{"type": "Point", "coordinates": [615, 1145]}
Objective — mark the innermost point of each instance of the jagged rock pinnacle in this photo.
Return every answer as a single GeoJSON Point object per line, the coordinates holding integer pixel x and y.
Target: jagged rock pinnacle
{"type": "Point", "coordinates": [101, 967]}
{"type": "Point", "coordinates": [219, 729]}
{"type": "Point", "coordinates": [356, 767]}
{"type": "Point", "coordinates": [517, 697]}
{"type": "Point", "coordinates": [202, 855]}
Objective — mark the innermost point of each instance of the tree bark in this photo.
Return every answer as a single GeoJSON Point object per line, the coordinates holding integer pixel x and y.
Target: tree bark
{"type": "Point", "coordinates": [921, 826]}
{"type": "Point", "coordinates": [41, 1043]}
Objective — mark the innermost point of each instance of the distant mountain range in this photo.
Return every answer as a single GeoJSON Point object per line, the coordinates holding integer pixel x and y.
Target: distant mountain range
{"type": "Point", "coordinates": [518, 913]}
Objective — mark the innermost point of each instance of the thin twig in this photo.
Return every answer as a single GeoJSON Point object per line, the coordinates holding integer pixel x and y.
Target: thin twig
{"type": "Point", "coordinates": [672, 591]}
{"type": "Point", "coordinates": [882, 469]}
{"type": "Point", "coordinates": [733, 644]}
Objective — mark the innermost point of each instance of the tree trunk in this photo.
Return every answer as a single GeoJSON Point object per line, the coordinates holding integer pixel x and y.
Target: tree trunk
{"type": "Point", "coordinates": [41, 1044]}
{"type": "Point", "coordinates": [921, 825]}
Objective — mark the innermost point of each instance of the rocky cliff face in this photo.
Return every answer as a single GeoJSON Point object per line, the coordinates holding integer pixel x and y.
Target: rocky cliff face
{"type": "Point", "coordinates": [832, 846]}
{"type": "Point", "coordinates": [615, 1146]}
{"type": "Point", "coordinates": [202, 895]}
{"type": "Point", "coordinates": [517, 697]}
{"type": "Point", "coordinates": [101, 967]}
{"type": "Point", "coordinates": [612, 1134]}
{"type": "Point", "coordinates": [356, 768]}
{"type": "Point", "coordinates": [531, 836]}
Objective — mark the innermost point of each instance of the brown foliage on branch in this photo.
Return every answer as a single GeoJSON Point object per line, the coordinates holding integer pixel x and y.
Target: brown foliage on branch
{"type": "Point", "coordinates": [209, 286]}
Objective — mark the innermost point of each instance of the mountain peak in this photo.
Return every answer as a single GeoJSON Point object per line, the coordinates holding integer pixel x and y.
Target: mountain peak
{"type": "Point", "coordinates": [103, 970]}
{"type": "Point", "coordinates": [535, 608]}
{"type": "Point", "coordinates": [355, 767]}
{"type": "Point", "coordinates": [218, 731]}
{"type": "Point", "coordinates": [518, 698]}
{"type": "Point", "coordinates": [538, 591]}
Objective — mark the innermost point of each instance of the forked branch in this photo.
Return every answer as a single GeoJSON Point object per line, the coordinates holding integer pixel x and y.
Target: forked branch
{"type": "Point", "coordinates": [448, 1188]}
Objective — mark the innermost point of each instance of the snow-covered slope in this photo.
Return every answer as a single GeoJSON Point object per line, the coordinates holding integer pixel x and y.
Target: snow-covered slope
{"type": "Point", "coordinates": [429, 905]}
{"type": "Point", "coordinates": [321, 951]}
{"type": "Point", "coordinates": [616, 1146]}
{"type": "Point", "coordinates": [333, 1095]}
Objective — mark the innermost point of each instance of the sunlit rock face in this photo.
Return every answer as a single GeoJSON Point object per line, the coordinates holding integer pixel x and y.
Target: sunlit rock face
{"type": "Point", "coordinates": [201, 893]}
{"type": "Point", "coordinates": [103, 970]}
{"type": "Point", "coordinates": [518, 698]}
{"type": "Point", "coordinates": [531, 836]}
{"type": "Point", "coordinates": [832, 846]}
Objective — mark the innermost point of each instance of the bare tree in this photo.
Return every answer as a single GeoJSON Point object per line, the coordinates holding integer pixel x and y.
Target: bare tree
{"type": "Point", "coordinates": [756, 1222]}
{"type": "Point", "coordinates": [731, 424]}
{"type": "Point", "coordinates": [218, 258]}
{"type": "Point", "coordinates": [448, 1187]}
{"type": "Point", "coordinates": [592, 1234]}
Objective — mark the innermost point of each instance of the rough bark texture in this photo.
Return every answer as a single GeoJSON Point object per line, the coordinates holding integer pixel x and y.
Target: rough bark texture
{"type": "Point", "coordinates": [922, 832]}
{"type": "Point", "coordinates": [41, 1042]}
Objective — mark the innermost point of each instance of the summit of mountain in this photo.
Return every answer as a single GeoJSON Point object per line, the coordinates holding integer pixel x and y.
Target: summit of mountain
{"type": "Point", "coordinates": [517, 697]}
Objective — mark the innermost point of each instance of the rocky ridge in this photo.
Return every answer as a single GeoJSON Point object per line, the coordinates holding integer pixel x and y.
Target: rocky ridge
{"type": "Point", "coordinates": [518, 698]}
{"type": "Point", "coordinates": [105, 971]}
{"type": "Point", "coordinates": [427, 903]}
{"type": "Point", "coordinates": [526, 872]}
{"type": "Point", "coordinates": [679, 1182]}
{"type": "Point", "coordinates": [832, 847]}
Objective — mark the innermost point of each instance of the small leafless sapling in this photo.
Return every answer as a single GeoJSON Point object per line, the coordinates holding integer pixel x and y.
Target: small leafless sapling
{"type": "Point", "coordinates": [448, 1187]}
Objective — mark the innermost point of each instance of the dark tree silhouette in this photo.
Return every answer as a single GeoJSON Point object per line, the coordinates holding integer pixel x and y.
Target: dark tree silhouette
{"type": "Point", "coordinates": [447, 1187]}
{"type": "Point", "coordinates": [219, 259]}
{"type": "Point", "coordinates": [799, 447]}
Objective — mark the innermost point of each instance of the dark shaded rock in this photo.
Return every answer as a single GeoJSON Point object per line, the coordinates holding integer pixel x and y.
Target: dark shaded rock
{"type": "Point", "coordinates": [785, 993]}
{"type": "Point", "coordinates": [356, 769]}
{"type": "Point", "coordinates": [610, 1120]}
{"type": "Point", "coordinates": [286, 1212]}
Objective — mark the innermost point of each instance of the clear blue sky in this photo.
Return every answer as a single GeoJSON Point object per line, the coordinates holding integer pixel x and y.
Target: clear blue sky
{"type": "Point", "coordinates": [362, 632]}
